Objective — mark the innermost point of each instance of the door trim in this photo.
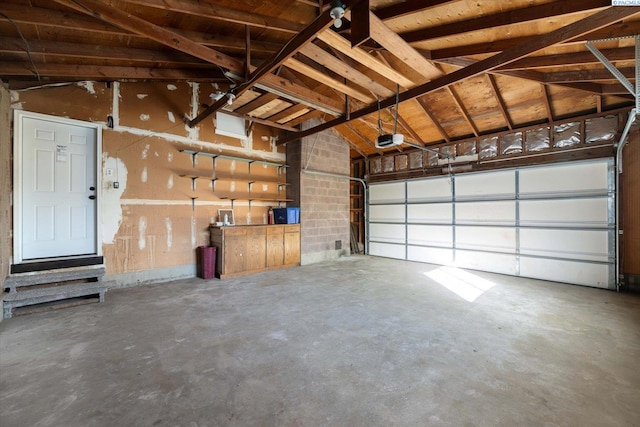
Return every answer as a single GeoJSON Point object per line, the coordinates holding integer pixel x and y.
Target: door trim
{"type": "Point", "coordinates": [18, 115]}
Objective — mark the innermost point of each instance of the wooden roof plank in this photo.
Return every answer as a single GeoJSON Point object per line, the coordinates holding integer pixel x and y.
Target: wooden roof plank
{"type": "Point", "coordinates": [503, 107]}
{"type": "Point", "coordinates": [407, 8]}
{"type": "Point", "coordinates": [526, 14]}
{"type": "Point", "coordinates": [339, 67]}
{"type": "Point", "coordinates": [569, 32]}
{"type": "Point", "coordinates": [321, 77]}
{"type": "Point", "coordinates": [338, 42]}
{"type": "Point", "coordinates": [395, 45]}
{"type": "Point", "coordinates": [211, 11]}
{"type": "Point", "coordinates": [256, 103]}
{"type": "Point", "coordinates": [463, 110]}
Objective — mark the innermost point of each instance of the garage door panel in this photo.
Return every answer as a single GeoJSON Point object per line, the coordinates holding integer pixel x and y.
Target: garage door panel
{"type": "Point", "coordinates": [440, 256]}
{"type": "Point", "coordinates": [387, 250]}
{"type": "Point", "coordinates": [577, 273]}
{"type": "Point", "coordinates": [493, 239]}
{"type": "Point", "coordinates": [589, 245]}
{"type": "Point", "coordinates": [387, 213]}
{"type": "Point", "coordinates": [430, 235]}
{"type": "Point", "coordinates": [495, 213]}
{"type": "Point", "coordinates": [435, 213]}
{"type": "Point", "coordinates": [573, 179]}
{"type": "Point", "coordinates": [493, 262]}
{"type": "Point", "coordinates": [387, 193]}
{"type": "Point", "coordinates": [431, 190]}
{"type": "Point", "coordinates": [486, 185]}
{"type": "Point", "coordinates": [588, 212]}
{"type": "Point", "coordinates": [389, 233]}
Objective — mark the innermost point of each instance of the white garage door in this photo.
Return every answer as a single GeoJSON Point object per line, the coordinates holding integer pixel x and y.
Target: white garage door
{"type": "Point", "coordinates": [547, 222]}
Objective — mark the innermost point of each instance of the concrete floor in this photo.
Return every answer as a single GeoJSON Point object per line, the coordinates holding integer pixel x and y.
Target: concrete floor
{"type": "Point", "coordinates": [358, 342]}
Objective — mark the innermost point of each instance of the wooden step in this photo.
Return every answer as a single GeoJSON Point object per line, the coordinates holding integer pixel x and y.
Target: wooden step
{"type": "Point", "coordinates": [18, 280]}
{"type": "Point", "coordinates": [52, 293]}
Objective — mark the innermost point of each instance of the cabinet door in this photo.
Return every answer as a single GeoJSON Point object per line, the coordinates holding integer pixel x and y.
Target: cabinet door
{"type": "Point", "coordinates": [256, 249]}
{"type": "Point", "coordinates": [292, 248]}
{"type": "Point", "coordinates": [275, 247]}
{"type": "Point", "coordinates": [235, 248]}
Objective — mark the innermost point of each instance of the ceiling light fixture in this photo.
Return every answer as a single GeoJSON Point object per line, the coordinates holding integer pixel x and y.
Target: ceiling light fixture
{"type": "Point", "coordinates": [337, 13]}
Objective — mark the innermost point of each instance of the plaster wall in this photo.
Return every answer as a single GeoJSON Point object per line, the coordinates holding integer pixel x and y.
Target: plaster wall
{"type": "Point", "coordinates": [158, 214]}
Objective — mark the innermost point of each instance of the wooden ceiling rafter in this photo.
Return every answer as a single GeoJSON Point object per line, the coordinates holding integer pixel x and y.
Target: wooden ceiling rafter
{"type": "Point", "coordinates": [397, 46]}
{"type": "Point", "coordinates": [570, 59]}
{"type": "Point", "coordinates": [569, 32]}
{"type": "Point", "coordinates": [501, 104]}
{"type": "Point", "coordinates": [359, 55]}
{"type": "Point", "coordinates": [434, 120]}
{"type": "Point", "coordinates": [363, 138]}
{"type": "Point", "coordinates": [235, 16]}
{"type": "Point", "coordinates": [620, 29]}
{"type": "Point", "coordinates": [408, 7]}
{"type": "Point", "coordinates": [510, 17]}
{"type": "Point", "coordinates": [138, 25]}
{"type": "Point", "coordinates": [326, 79]}
{"type": "Point", "coordinates": [463, 110]}
{"type": "Point", "coordinates": [322, 57]}
{"type": "Point", "coordinates": [546, 98]}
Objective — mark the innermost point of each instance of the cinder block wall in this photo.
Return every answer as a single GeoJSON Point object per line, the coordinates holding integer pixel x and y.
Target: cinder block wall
{"type": "Point", "coordinates": [323, 199]}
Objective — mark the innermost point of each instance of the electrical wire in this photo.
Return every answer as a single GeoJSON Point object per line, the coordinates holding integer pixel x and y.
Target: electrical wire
{"type": "Point", "coordinates": [27, 47]}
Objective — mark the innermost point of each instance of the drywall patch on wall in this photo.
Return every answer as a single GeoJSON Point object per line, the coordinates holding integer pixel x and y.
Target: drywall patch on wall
{"type": "Point", "coordinates": [143, 175]}
{"type": "Point", "coordinates": [194, 228]}
{"type": "Point", "coordinates": [144, 117]}
{"type": "Point", "coordinates": [113, 170]}
{"type": "Point", "coordinates": [172, 117]}
{"type": "Point", "coordinates": [194, 132]}
{"type": "Point", "coordinates": [170, 182]}
{"type": "Point", "coordinates": [169, 227]}
{"type": "Point", "coordinates": [172, 87]}
{"type": "Point", "coordinates": [142, 231]}
{"type": "Point", "coordinates": [170, 157]}
{"type": "Point", "coordinates": [145, 151]}
{"type": "Point", "coordinates": [88, 86]}
{"type": "Point", "coordinates": [142, 95]}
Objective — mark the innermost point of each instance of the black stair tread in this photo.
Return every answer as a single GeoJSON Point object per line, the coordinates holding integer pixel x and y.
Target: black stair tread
{"type": "Point", "coordinates": [53, 276]}
{"type": "Point", "coordinates": [56, 292]}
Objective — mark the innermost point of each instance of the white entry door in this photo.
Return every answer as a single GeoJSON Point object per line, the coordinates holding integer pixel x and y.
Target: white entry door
{"type": "Point", "coordinates": [58, 188]}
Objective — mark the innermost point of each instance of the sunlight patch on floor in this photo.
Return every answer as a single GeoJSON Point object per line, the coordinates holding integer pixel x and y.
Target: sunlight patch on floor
{"type": "Point", "coordinates": [464, 284]}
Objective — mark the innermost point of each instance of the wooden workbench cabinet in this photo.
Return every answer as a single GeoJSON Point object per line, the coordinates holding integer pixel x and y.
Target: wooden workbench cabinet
{"type": "Point", "coordinates": [245, 249]}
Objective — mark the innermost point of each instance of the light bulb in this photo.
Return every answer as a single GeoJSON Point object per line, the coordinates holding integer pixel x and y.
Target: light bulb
{"type": "Point", "coordinates": [337, 23]}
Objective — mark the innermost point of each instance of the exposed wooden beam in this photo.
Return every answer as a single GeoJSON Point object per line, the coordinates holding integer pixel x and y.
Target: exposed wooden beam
{"type": "Point", "coordinates": [211, 11]}
{"type": "Point", "coordinates": [360, 23]}
{"type": "Point", "coordinates": [108, 53]}
{"type": "Point", "coordinates": [587, 25]}
{"type": "Point", "coordinates": [262, 121]}
{"type": "Point", "coordinates": [289, 113]}
{"type": "Point", "coordinates": [526, 14]}
{"type": "Point", "coordinates": [68, 20]}
{"type": "Point", "coordinates": [434, 120]}
{"type": "Point", "coordinates": [547, 103]}
{"type": "Point", "coordinates": [363, 138]}
{"type": "Point", "coordinates": [140, 26]}
{"type": "Point", "coordinates": [570, 59]}
{"type": "Point", "coordinates": [463, 110]}
{"type": "Point", "coordinates": [303, 118]}
{"type": "Point", "coordinates": [298, 41]}
{"type": "Point", "coordinates": [256, 103]}
{"type": "Point", "coordinates": [586, 75]}
{"type": "Point", "coordinates": [407, 8]}
{"type": "Point", "coordinates": [339, 67]}
{"type": "Point", "coordinates": [396, 46]}
{"type": "Point", "coordinates": [407, 127]}
{"type": "Point", "coordinates": [105, 72]}
{"type": "Point", "coordinates": [169, 38]}
{"type": "Point", "coordinates": [323, 78]}
{"type": "Point", "coordinates": [621, 29]}
{"type": "Point", "coordinates": [339, 43]}
{"type": "Point", "coordinates": [496, 93]}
